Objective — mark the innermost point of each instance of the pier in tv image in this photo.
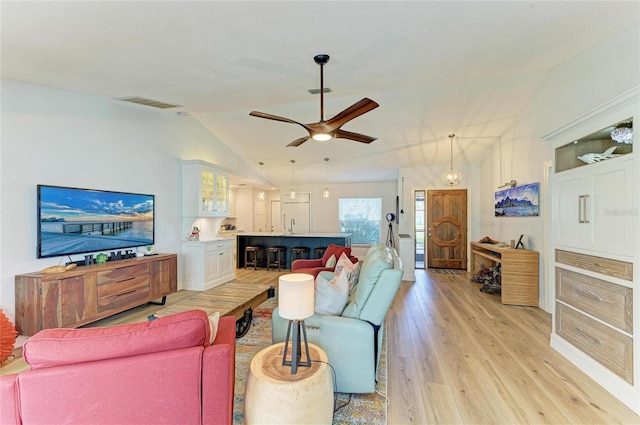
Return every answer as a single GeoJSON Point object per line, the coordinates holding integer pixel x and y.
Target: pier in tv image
{"type": "Point", "coordinates": [519, 201]}
{"type": "Point", "coordinates": [75, 221]}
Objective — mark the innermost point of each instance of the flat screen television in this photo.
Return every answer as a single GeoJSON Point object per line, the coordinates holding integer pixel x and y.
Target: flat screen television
{"type": "Point", "coordinates": [76, 221]}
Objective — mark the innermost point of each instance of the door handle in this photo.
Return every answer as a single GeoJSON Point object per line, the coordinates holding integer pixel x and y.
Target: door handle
{"type": "Point", "coordinates": [585, 198]}
{"type": "Point", "coordinates": [429, 232]}
{"type": "Point", "coordinates": [580, 208]}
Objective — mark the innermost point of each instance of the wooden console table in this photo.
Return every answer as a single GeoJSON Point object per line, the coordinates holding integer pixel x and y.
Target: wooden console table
{"type": "Point", "coordinates": [88, 293]}
{"type": "Point", "coordinates": [519, 269]}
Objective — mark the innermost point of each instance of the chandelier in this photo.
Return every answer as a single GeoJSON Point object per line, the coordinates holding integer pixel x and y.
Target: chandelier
{"type": "Point", "coordinates": [451, 177]}
{"type": "Point", "coordinates": [623, 133]}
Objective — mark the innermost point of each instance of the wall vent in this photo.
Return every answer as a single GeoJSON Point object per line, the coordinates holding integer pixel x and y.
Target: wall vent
{"type": "Point", "coordinates": [148, 102]}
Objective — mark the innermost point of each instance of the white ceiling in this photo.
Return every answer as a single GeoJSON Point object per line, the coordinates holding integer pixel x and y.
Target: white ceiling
{"type": "Point", "coordinates": [434, 67]}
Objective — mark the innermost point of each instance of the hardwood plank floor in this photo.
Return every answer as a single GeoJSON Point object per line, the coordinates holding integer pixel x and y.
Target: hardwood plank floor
{"type": "Point", "coordinates": [458, 356]}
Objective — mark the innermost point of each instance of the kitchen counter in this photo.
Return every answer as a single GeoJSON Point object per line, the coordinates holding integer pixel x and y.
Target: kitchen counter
{"type": "Point", "coordinates": [288, 240]}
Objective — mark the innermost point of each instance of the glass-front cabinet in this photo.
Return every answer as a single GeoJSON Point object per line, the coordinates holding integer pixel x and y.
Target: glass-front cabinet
{"type": "Point", "coordinates": [205, 190]}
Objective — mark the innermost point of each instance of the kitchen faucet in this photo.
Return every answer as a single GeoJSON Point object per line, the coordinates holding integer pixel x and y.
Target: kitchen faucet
{"type": "Point", "coordinates": [293, 221]}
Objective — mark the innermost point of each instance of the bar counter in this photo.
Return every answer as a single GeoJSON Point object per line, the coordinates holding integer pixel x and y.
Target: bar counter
{"type": "Point", "coordinates": [288, 240]}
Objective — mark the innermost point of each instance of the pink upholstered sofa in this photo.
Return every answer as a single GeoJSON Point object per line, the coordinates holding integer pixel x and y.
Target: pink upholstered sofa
{"type": "Point", "coordinates": [315, 266]}
{"type": "Point", "coordinates": [158, 372]}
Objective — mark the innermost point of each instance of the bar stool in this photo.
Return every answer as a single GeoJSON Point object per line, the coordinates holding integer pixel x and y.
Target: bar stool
{"type": "Point", "coordinates": [319, 252]}
{"type": "Point", "coordinates": [251, 257]}
{"type": "Point", "coordinates": [276, 257]}
{"type": "Point", "coordinates": [299, 252]}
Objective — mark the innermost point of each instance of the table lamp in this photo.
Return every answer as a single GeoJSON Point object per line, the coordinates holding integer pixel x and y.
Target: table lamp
{"type": "Point", "coordinates": [296, 303]}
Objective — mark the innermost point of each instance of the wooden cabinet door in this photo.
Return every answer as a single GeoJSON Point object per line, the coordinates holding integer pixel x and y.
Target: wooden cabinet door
{"type": "Point", "coordinates": [162, 278]}
{"type": "Point", "coordinates": [447, 229]}
{"type": "Point", "coordinates": [68, 302]}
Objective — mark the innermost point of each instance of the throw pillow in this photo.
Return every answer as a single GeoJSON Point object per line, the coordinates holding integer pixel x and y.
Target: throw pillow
{"type": "Point", "coordinates": [330, 298]}
{"type": "Point", "coordinates": [335, 250]}
{"type": "Point", "coordinates": [213, 324]}
{"type": "Point", "coordinates": [331, 262]}
{"type": "Point", "coordinates": [344, 265]}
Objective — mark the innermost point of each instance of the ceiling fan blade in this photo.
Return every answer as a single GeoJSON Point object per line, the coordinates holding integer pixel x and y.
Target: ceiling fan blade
{"type": "Point", "coordinates": [341, 134]}
{"type": "Point", "coordinates": [363, 106]}
{"type": "Point", "coordinates": [273, 117]}
{"type": "Point", "coordinates": [298, 142]}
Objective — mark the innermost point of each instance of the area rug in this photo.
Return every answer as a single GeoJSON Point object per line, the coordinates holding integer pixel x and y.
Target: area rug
{"type": "Point", "coordinates": [369, 409]}
{"type": "Point", "coordinates": [448, 271]}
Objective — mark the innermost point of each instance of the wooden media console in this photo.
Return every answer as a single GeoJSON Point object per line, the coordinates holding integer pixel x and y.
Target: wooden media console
{"type": "Point", "coordinates": [519, 269]}
{"type": "Point", "coordinates": [88, 293]}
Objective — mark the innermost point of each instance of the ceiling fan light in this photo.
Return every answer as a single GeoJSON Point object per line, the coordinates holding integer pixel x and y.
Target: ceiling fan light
{"type": "Point", "coordinates": [321, 137]}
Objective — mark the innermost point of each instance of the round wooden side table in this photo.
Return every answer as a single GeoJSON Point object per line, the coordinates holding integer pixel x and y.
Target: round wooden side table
{"type": "Point", "coordinates": [274, 396]}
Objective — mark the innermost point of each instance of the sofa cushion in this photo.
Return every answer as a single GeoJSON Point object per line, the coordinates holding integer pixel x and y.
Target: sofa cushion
{"type": "Point", "coordinates": [377, 259]}
{"type": "Point", "coordinates": [52, 347]}
{"type": "Point", "coordinates": [335, 250]}
{"type": "Point", "coordinates": [332, 261]}
{"type": "Point", "coordinates": [331, 295]}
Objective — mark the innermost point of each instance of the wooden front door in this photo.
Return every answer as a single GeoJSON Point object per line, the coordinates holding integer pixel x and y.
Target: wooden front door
{"type": "Point", "coordinates": [447, 229]}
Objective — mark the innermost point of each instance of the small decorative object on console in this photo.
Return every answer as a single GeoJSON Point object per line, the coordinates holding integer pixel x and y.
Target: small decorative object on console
{"type": "Point", "coordinates": [487, 239]}
{"type": "Point", "coordinates": [101, 258]}
{"type": "Point", "coordinates": [623, 133]}
{"type": "Point", "coordinates": [58, 269]}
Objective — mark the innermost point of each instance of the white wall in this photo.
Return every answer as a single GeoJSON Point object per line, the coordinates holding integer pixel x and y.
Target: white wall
{"type": "Point", "coordinates": [64, 138]}
{"type": "Point", "coordinates": [570, 90]}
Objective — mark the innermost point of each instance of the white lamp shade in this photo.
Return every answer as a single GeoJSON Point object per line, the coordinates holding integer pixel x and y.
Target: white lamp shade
{"type": "Point", "coordinates": [296, 296]}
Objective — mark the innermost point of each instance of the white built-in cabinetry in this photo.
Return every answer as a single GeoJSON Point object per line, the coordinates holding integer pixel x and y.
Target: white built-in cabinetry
{"type": "Point", "coordinates": [208, 263]}
{"type": "Point", "coordinates": [595, 250]}
{"type": "Point", "coordinates": [205, 199]}
{"type": "Point", "coordinates": [205, 190]}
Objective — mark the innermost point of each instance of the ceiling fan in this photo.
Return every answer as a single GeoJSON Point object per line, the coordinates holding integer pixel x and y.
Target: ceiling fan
{"type": "Point", "coordinates": [325, 130]}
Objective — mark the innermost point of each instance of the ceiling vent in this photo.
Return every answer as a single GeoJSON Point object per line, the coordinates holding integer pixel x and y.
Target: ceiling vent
{"type": "Point", "coordinates": [316, 91]}
{"type": "Point", "coordinates": [148, 102]}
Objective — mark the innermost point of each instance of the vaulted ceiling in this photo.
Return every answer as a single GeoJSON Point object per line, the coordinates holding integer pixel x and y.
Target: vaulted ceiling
{"type": "Point", "coordinates": [435, 68]}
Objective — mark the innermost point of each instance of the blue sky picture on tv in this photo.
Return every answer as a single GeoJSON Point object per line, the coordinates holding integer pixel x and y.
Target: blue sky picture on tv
{"type": "Point", "coordinates": [75, 221]}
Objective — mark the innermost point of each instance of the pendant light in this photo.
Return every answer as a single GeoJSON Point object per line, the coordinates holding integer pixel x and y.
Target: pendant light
{"type": "Point", "coordinates": [292, 192]}
{"type": "Point", "coordinates": [261, 193]}
{"type": "Point", "coordinates": [451, 177]}
{"type": "Point", "coordinates": [326, 192]}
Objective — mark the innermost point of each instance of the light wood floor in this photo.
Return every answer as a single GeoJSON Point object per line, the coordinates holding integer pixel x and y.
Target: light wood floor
{"type": "Point", "coordinates": [458, 356]}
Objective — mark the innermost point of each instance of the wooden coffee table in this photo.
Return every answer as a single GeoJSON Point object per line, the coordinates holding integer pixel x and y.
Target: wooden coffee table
{"type": "Point", "coordinates": [230, 299]}
{"type": "Point", "coordinates": [274, 396]}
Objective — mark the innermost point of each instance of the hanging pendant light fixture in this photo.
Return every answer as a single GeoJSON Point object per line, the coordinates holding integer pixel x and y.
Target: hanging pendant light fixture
{"type": "Point", "coordinates": [451, 177]}
{"type": "Point", "coordinates": [261, 193]}
{"type": "Point", "coordinates": [326, 193]}
{"type": "Point", "coordinates": [292, 192]}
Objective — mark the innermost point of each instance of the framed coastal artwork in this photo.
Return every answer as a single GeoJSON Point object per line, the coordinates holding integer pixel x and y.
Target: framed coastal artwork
{"type": "Point", "coordinates": [519, 201]}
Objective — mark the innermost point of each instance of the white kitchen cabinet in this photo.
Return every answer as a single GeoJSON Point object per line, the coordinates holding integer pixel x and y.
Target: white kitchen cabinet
{"type": "Point", "coordinates": [594, 205]}
{"type": "Point", "coordinates": [205, 190]}
{"type": "Point", "coordinates": [208, 263]}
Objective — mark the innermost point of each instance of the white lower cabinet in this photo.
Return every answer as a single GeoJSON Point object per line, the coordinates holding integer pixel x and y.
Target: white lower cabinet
{"type": "Point", "coordinates": [208, 264]}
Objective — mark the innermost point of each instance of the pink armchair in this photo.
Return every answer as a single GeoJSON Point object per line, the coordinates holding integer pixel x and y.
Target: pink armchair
{"type": "Point", "coordinates": [156, 372]}
{"type": "Point", "coordinates": [313, 267]}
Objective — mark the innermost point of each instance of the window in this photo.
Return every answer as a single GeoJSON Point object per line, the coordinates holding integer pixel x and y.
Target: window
{"type": "Point", "coordinates": [361, 217]}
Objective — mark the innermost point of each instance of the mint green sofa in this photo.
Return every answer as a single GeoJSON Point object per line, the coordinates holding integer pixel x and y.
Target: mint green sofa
{"type": "Point", "coordinates": [353, 340]}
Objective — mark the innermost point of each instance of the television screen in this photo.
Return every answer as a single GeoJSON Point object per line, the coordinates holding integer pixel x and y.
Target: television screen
{"type": "Point", "coordinates": [75, 221]}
